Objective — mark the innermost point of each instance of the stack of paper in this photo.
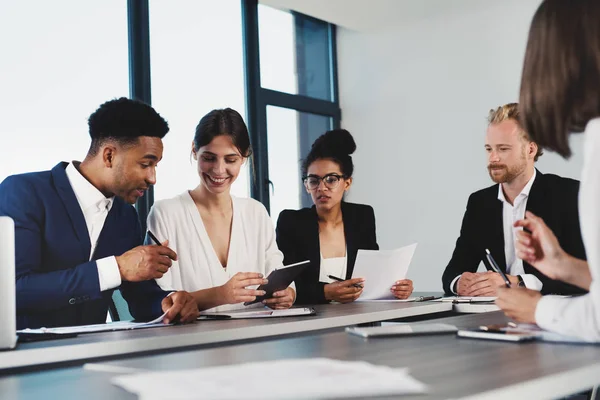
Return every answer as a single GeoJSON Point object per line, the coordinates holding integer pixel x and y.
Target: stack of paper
{"type": "Point", "coordinates": [112, 326]}
{"type": "Point", "coordinates": [284, 379]}
{"type": "Point", "coordinates": [381, 269]}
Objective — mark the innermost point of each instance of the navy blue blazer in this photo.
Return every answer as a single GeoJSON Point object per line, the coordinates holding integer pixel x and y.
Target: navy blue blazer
{"type": "Point", "coordinates": [298, 240]}
{"type": "Point", "coordinates": [57, 284]}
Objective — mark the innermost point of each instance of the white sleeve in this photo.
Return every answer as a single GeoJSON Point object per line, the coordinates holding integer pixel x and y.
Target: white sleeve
{"type": "Point", "coordinates": [108, 273]}
{"type": "Point", "coordinates": [532, 282]}
{"type": "Point", "coordinates": [158, 227]}
{"type": "Point", "coordinates": [273, 256]}
{"type": "Point", "coordinates": [580, 316]}
{"type": "Point", "coordinates": [453, 283]}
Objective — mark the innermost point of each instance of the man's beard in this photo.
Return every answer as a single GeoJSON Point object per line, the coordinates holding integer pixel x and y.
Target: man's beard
{"type": "Point", "coordinates": [508, 174]}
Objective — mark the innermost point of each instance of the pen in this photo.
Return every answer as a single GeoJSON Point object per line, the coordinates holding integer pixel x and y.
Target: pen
{"type": "Point", "coordinates": [496, 268]}
{"type": "Point", "coordinates": [426, 298]}
{"type": "Point", "coordinates": [154, 238]}
{"type": "Point", "coordinates": [335, 278]}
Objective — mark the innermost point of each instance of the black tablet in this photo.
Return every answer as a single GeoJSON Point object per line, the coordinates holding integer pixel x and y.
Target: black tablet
{"type": "Point", "coordinates": [279, 279]}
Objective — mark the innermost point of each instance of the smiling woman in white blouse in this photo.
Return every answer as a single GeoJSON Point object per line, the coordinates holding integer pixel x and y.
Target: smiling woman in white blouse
{"type": "Point", "coordinates": [225, 244]}
{"type": "Point", "coordinates": [560, 94]}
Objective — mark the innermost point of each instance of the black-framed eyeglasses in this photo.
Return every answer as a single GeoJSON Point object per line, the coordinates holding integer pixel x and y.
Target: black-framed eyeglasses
{"type": "Point", "coordinates": [331, 181]}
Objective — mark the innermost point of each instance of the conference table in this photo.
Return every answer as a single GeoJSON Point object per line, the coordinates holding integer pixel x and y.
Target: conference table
{"type": "Point", "coordinates": [205, 333]}
{"type": "Point", "coordinates": [453, 368]}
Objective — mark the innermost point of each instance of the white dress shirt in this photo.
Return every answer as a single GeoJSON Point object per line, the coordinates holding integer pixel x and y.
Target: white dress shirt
{"type": "Point", "coordinates": [510, 214]}
{"type": "Point", "coordinates": [95, 207]}
{"type": "Point", "coordinates": [252, 245]}
{"type": "Point", "coordinates": [580, 316]}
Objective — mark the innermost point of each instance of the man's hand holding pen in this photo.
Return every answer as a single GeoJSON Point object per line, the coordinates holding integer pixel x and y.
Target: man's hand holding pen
{"type": "Point", "coordinates": [143, 263]}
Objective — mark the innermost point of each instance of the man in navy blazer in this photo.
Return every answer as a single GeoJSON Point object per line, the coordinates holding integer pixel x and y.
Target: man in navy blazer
{"type": "Point", "coordinates": [77, 236]}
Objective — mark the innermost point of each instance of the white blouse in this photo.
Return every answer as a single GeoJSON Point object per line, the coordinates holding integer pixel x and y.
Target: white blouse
{"type": "Point", "coordinates": [335, 266]}
{"type": "Point", "coordinates": [252, 246]}
{"type": "Point", "coordinates": [580, 316]}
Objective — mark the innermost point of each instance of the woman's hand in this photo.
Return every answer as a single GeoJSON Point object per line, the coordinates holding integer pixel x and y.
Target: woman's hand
{"type": "Point", "coordinates": [345, 291]}
{"type": "Point", "coordinates": [282, 299]}
{"type": "Point", "coordinates": [540, 248]}
{"type": "Point", "coordinates": [234, 291]}
{"type": "Point", "coordinates": [402, 289]}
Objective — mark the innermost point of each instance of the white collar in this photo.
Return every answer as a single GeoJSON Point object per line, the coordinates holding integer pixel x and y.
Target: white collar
{"type": "Point", "coordinates": [524, 192]}
{"type": "Point", "coordinates": [88, 196]}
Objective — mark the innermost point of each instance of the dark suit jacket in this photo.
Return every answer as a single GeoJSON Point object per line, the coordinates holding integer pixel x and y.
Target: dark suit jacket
{"type": "Point", "coordinates": [552, 198]}
{"type": "Point", "coordinates": [56, 283]}
{"type": "Point", "coordinates": [298, 239]}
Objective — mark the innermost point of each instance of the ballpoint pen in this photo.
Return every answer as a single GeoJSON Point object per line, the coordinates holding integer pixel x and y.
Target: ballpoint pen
{"type": "Point", "coordinates": [427, 298]}
{"type": "Point", "coordinates": [154, 238]}
{"type": "Point", "coordinates": [335, 278]}
{"type": "Point", "coordinates": [496, 268]}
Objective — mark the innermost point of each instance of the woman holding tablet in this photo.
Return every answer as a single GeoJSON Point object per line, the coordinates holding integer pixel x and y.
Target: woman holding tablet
{"type": "Point", "coordinates": [331, 232]}
{"type": "Point", "coordinates": [560, 94]}
{"type": "Point", "coordinates": [225, 244]}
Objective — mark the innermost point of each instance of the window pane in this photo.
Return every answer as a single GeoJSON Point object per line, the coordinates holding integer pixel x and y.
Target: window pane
{"type": "Point", "coordinates": [60, 62]}
{"type": "Point", "coordinates": [196, 57]}
{"type": "Point", "coordinates": [290, 135]}
{"type": "Point", "coordinates": [294, 53]}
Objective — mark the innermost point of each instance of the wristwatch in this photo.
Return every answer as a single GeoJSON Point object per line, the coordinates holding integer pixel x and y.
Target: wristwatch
{"type": "Point", "coordinates": [521, 281]}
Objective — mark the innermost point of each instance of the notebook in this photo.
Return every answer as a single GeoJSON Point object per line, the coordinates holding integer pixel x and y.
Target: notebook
{"type": "Point", "coordinates": [261, 313]}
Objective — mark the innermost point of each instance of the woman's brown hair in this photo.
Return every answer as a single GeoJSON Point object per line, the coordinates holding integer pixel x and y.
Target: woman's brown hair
{"type": "Point", "coordinates": [560, 85]}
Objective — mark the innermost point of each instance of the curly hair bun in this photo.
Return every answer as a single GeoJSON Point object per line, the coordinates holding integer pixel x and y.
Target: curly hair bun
{"type": "Point", "coordinates": [338, 141]}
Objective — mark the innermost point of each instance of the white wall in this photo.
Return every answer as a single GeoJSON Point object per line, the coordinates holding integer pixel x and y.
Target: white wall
{"type": "Point", "coordinates": [416, 98]}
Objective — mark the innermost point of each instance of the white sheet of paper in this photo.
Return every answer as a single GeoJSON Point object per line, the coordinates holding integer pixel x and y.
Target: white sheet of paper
{"type": "Point", "coordinates": [467, 299]}
{"type": "Point", "coordinates": [112, 326]}
{"type": "Point", "coordinates": [381, 268]}
{"type": "Point", "coordinates": [261, 313]}
{"type": "Point", "coordinates": [282, 379]}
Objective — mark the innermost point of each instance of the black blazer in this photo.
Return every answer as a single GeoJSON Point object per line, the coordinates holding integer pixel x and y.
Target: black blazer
{"type": "Point", "coordinates": [552, 198]}
{"type": "Point", "coordinates": [298, 239]}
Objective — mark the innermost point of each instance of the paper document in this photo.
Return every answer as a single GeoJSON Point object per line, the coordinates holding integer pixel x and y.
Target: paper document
{"type": "Point", "coordinates": [282, 379]}
{"type": "Point", "coordinates": [381, 268]}
{"type": "Point", "coordinates": [467, 299]}
{"type": "Point", "coordinates": [260, 313]}
{"type": "Point", "coordinates": [409, 300]}
{"type": "Point", "coordinates": [112, 326]}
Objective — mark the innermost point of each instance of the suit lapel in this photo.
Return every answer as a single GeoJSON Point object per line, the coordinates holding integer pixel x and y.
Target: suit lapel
{"type": "Point", "coordinates": [349, 233]}
{"type": "Point", "coordinates": [496, 245]}
{"type": "Point", "coordinates": [312, 242]}
{"type": "Point", "coordinates": [66, 194]}
{"type": "Point", "coordinates": [535, 200]}
{"type": "Point", "coordinates": [537, 204]}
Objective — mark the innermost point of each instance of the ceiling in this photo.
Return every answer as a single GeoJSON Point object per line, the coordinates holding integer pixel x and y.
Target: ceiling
{"type": "Point", "coordinates": [373, 15]}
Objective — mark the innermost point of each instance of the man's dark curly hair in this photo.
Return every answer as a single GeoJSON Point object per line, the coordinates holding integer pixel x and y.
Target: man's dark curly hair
{"type": "Point", "coordinates": [124, 120]}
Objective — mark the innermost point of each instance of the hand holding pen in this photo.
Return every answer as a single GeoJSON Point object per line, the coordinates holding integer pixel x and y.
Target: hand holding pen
{"type": "Point", "coordinates": [343, 291]}
{"type": "Point", "coordinates": [143, 263]}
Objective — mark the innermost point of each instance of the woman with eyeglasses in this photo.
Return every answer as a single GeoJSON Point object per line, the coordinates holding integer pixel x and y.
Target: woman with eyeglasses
{"type": "Point", "coordinates": [331, 232]}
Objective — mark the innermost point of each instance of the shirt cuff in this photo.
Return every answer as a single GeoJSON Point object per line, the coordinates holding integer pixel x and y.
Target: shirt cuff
{"type": "Point", "coordinates": [453, 284]}
{"type": "Point", "coordinates": [547, 312]}
{"type": "Point", "coordinates": [108, 273]}
{"type": "Point", "coordinates": [532, 282]}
